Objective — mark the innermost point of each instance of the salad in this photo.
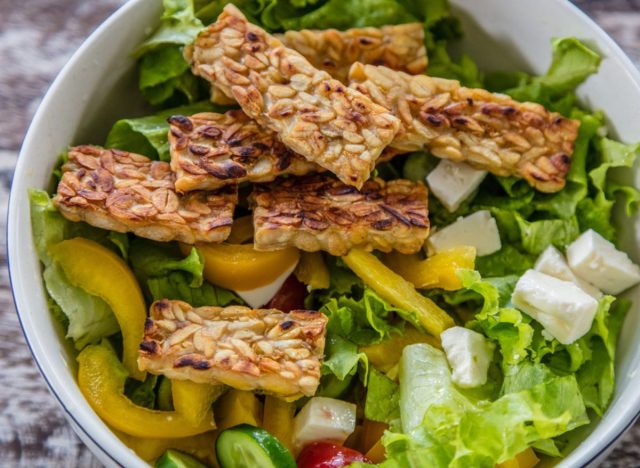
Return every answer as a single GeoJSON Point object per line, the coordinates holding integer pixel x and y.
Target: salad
{"type": "Point", "coordinates": [330, 243]}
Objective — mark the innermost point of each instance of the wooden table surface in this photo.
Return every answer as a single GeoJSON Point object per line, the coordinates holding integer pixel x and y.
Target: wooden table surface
{"type": "Point", "coordinates": [36, 39]}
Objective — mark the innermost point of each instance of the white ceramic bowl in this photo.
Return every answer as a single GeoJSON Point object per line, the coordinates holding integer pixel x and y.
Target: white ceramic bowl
{"type": "Point", "coordinates": [98, 86]}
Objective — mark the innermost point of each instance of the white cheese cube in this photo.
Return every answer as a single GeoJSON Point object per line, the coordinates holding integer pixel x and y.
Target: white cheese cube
{"type": "Point", "coordinates": [261, 295]}
{"type": "Point", "coordinates": [564, 310]}
{"type": "Point", "coordinates": [469, 355]}
{"type": "Point", "coordinates": [453, 182]}
{"type": "Point", "coordinates": [596, 260]}
{"type": "Point", "coordinates": [478, 230]}
{"type": "Point", "coordinates": [551, 262]}
{"type": "Point", "coordinates": [323, 419]}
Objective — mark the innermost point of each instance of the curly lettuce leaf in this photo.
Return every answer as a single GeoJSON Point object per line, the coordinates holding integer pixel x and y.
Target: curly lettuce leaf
{"type": "Point", "coordinates": [152, 259]}
{"type": "Point", "coordinates": [176, 286]}
{"type": "Point", "coordinates": [148, 135]}
{"type": "Point", "coordinates": [454, 430]}
{"type": "Point", "coordinates": [342, 358]}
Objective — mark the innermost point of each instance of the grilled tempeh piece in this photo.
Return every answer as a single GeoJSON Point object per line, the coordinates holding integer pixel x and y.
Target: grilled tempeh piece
{"type": "Point", "coordinates": [249, 349]}
{"type": "Point", "coordinates": [315, 115]}
{"type": "Point", "coordinates": [127, 192]}
{"type": "Point", "coordinates": [211, 150]}
{"type": "Point", "coordinates": [320, 213]}
{"type": "Point", "coordinates": [400, 47]}
{"type": "Point", "coordinates": [489, 131]}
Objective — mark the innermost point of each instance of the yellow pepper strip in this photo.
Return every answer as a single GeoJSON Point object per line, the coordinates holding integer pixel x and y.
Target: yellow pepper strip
{"type": "Point", "coordinates": [437, 271]}
{"type": "Point", "coordinates": [241, 230]}
{"type": "Point", "coordinates": [194, 400]}
{"type": "Point", "coordinates": [354, 439]}
{"type": "Point", "coordinates": [376, 453]}
{"type": "Point", "coordinates": [312, 270]}
{"type": "Point", "coordinates": [383, 356]}
{"type": "Point", "coordinates": [201, 446]}
{"type": "Point", "coordinates": [398, 291]}
{"type": "Point", "coordinates": [371, 433]}
{"type": "Point", "coordinates": [240, 267]}
{"type": "Point", "coordinates": [525, 459]}
{"type": "Point", "coordinates": [278, 419]}
{"type": "Point", "coordinates": [101, 378]}
{"type": "Point", "coordinates": [99, 271]}
{"type": "Point", "coordinates": [238, 407]}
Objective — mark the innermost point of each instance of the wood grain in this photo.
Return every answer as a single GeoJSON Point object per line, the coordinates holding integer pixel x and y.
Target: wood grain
{"type": "Point", "coordinates": [36, 38]}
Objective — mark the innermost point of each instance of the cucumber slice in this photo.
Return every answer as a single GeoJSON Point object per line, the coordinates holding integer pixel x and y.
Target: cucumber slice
{"type": "Point", "coordinates": [246, 446]}
{"type": "Point", "coordinates": [174, 459]}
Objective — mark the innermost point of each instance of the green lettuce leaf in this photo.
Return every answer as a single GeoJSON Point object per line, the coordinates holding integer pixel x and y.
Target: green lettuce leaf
{"type": "Point", "coordinates": [142, 393]}
{"type": "Point", "coordinates": [148, 135]}
{"type": "Point", "coordinates": [151, 259]}
{"type": "Point", "coordinates": [176, 286]}
{"type": "Point", "coordinates": [364, 321]}
{"type": "Point", "coordinates": [381, 402]}
{"type": "Point", "coordinates": [456, 431]}
{"type": "Point", "coordinates": [342, 358]}
{"type": "Point", "coordinates": [89, 318]}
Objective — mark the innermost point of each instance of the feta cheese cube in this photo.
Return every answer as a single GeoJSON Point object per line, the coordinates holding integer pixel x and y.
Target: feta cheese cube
{"type": "Point", "coordinates": [453, 182]}
{"type": "Point", "coordinates": [596, 260]}
{"type": "Point", "coordinates": [564, 310]}
{"type": "Point", "coordinates": [551, 262]}
{"type": "Point", "coordinates": [478, 230]}
{"type": "Point", "coordinates": [469, 355]}
{"type": "Point", "coordinates": [323, 419]}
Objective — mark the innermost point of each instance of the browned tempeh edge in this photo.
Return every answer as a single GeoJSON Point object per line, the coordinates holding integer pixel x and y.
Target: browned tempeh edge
{"type": "Point", "coordinates": [489, 131]}
{"type": "Point", "coordinates": [316, 116]}
{"type": "Point", "coordinates": [262, 350]}
{"type": "Point", "coordinates": [210, 150]}
{"type": "Point", "coordinates": [321, 213]}
{"type": "Point", "coordinates": [127, 192]}
{"type": "Point", "coordinates": [398, 46]}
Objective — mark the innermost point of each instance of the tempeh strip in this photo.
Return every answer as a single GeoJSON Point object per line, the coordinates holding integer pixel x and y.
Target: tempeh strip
{"type": "Point", "coordinates": [315, 115]}
{"type": "Point", "coordinates": [321, 213]}
{"type": "Point", "coordinates": [127, 192]}
{"type": "Point", "coordinates": [211, 150]}
{"type": "Point", "coordinates": [399, 47]}
{"type": "Point", "coordinates": [249, 349]}
{"type": "Point", "coordinates": [488, 131]}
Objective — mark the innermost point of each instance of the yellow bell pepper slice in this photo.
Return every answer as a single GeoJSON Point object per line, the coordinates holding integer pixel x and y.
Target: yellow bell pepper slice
{"type": "Point", "coordinates": [383, 356]}
{"type": "Point", "coordinates": [398, 291]}
{"type": "Point", "coordinates": [525, 459]}
{"type": "Point", "coordinates": [101, 378]}
{"type": "Point", "coordinates": [238, 407]}
{"type": "Point", "coordinates": [278, 419]}
{"type": "Point", "coordinates": [194, 400]}
{"type": "Point", "coordinates": [312, 270]}
{"type": "Point", "coordinates": [201, 446]}
{"type": "Point", "coordinates": [240, 267]}
{"type": "Point", "coordinates": [437, 271]}
{"type": "Point", "coordinates": [241, 230]}
{"type": "Point", "coordinates": [99, 271]}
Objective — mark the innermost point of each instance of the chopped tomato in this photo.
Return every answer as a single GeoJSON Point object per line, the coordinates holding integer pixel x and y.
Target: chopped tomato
{"type": "Point", "coordinates": [328, 455]}
{"type": "Point", "coordinates": [290, 296]}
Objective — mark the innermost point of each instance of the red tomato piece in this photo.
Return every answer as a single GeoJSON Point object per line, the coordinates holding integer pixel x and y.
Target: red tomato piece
{"type": "Point", "coordinates": [328, 455]}
{"type": "Point", "coordinates": [290, 296]}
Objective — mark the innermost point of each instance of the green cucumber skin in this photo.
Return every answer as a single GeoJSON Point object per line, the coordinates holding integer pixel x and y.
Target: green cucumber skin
{"type": "Point", "coordinates": [263, 443]}
{"type": "Point", "coordinates": [175, 459]}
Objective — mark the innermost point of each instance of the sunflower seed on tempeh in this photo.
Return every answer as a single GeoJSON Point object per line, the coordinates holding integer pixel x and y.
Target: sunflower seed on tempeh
{"type": "Point", "coordinates": [127, 192]}
{"type": "Point", "coordinates": [211, 150]}
{"type": "Point", "coordinates": [489, 131]}
{"type": "Point", "coordinates": [398, 46]}
{"type": "Point", "coordinates": [315, 115]}
{"type": "Point", "coordinates": [321, 213]}
{"type": "Point", "coordinates": [250, 349]}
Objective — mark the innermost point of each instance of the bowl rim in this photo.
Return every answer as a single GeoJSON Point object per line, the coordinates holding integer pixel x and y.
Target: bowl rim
{"type": "Point", "coordinates": [79, 420]}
